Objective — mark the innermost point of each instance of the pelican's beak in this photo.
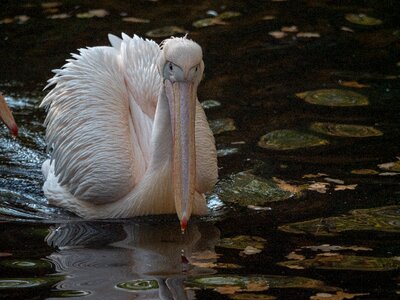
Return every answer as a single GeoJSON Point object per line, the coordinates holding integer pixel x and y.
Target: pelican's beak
{"type": "Point", "coordinates": [7, 117]}
{"type": "Point", "coordinates": [182, 103]}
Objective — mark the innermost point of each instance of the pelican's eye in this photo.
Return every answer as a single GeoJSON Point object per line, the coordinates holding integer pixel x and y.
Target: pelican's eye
{"type": "Point", "coordinates": [171, 66]}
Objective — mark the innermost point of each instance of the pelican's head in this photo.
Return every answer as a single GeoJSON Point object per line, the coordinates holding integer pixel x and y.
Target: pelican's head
{"type": "Point", "coordinates": [6, 116]}
{"type": "Point", "coordinates": [181, 67]}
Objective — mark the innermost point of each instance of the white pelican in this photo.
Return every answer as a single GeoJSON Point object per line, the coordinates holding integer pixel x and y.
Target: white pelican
{"type": "Point", "coordinates": [6, 116]}
{"type": "Point", "coordinates": [126, 132]}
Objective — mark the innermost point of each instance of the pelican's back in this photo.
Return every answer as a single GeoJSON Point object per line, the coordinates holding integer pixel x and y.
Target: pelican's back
{"type": "Point", "coordinates": [100, 116]}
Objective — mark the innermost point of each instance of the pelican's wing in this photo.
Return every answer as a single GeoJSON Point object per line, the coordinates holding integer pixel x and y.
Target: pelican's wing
{"type": "Point", "coordinates": [100, 118]}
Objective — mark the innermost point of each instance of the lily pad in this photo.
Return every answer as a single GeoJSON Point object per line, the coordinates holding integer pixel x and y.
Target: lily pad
{"type": "Point", "coordinates": [69, 294]}
{"type": "Point", "coordinates": [240, 242]}
{"type": "Point", "coordinates": [286, 139]}
{"type": "Point", "coordinates": [261, 282]}
{"type": "Point", "coordinates": [221, 125]}
{"type": "Point", "coordinates": [334, 97]}
{"type": "Point", "coordinates": [26, 264]}
{"type": "Point", "coordinates": [229, 15]}
{"type": "Point", "coordinates": [246, 189]}
{"type": "Point", "coordinates": [138, 285]}
{"type": "Point", "coordinates": [11, 284]}
{"type": "Point", "coordinates": [362, 19]}
{"type": "Point", "coordinates": [385, 219]}
{"type": "Point", "coordinates": [164, 32]}
{"type": "Point", "coordinates": [345, 130]}
{"type": "Point", "coordinates": [345, 262]}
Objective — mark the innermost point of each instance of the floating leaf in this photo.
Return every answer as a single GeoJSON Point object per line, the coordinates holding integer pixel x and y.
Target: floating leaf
{"type": "Point", "coordinates": [138, 285]}
{"type": "Point", "coordinates": [249, 296]}
{"type": "Point", "coordinates": [333, 180]}
{"type": "Point", "coordinates": [329, 248]}
{"type": "Point", "coordinates": [338, 296]}
{"type": "Point", "coordinates": [207, 104]}
{"type": "Point", "coordinates": [308, 35]}
{"type": "Point", "coordinates": [290, 29]}
{"type": "Point", "coordinates": [68, 293]}
{"type": "Point", "coordinates": [135, 20]}
{"type": "Point", "coordinates": [391, 166]}
{"type": "Point", "coordinates": [7, 21]}
{"type": "Point", "coordinates": [295, 256]}
{"type": "Point", "coordinates": [385, 219]}
{"type": "Point", "coordinates": [229, 15]}
{"type": "Point", "coordinates": [22, 19]}
{"type": "Point", "coordinates": [247, 283]}
{"type": "Point", "coordinates": [221, 125]}
{"type": "Point", "coordinates": [344, 28]}
{"type": "Point", "coordinates": [27, 282]}
{"type": "Point", "coordinates": [269, 18]}
{"type": "Point", "coordinates": [255, 207]}
{"type": "Point", "coordinates": [295, 189]}
{"type": "Point", "coordinates": [241, 242]}
{"type": "Point", "coordinates": [47, 5]}
{"type": "Point", "coordinates": [388, 174]}
{"type": "Point", "coordinates": [314, 175]}
{"type": "Point", "coordinates": [59, 16]}
{"type": "Point", "coordinates": [364, 172]}
{"type": "Point", "coordinates": [208, 22]}
{"type": "Point", "coordinates": [277, 34]}
{"type": "Point", "coordinates": [362, 19]}
{"type": "Point", "coordinates": [250, 250]}
{"type": "Point", "coordinates": [334, 97]}
{"type": "Point", "coordinates": [353, 84]}
{"type": "Point", "coordinates": [320, 187]}
{"type": "Point", "coordinates": [345, 187]}
{"type": "Point", "coordinates": [286, 139]}
{"type": "Point", "coordinates": [26, 264]}
{"type": "Point", "coordinates": [346, 262]}
{"type": "Point", "coordinates": [246, 189]}
{"type": "Point", "coordinates": [99, 13]}
{"type": "Point", "coordinates": [345, 130]}
{"type": "Point", "coordinates": [227, 151]}
{"type": "Point", "coordinates": [166, 31]}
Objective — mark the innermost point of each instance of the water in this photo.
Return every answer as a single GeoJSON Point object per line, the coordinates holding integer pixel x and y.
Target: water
{"type": "Point", "coordinates": [50, 254]}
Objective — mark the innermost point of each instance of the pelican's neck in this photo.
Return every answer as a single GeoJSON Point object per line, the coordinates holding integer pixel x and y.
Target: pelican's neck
{"type": "Point", "coordinates": [161, 138]}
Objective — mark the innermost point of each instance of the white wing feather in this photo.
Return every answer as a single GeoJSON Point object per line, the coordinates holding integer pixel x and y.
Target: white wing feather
{"type": "Point", "coordinates": [100, 116]}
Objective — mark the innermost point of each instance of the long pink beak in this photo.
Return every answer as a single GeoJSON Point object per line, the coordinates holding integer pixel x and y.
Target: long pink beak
{"type": "Point", "coordinates": [7, 117]}
{"type": "Point", "coordinates": [182, 103]}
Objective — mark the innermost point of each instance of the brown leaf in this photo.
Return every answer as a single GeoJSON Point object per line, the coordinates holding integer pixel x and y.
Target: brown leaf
{"type": "Point", "coordinates": [308, 35]}
{"type": "Point", "coordinates": [353, 84]}
{"type": "Point", "coordinates": [277, 34]}
{"type": "Point", "coordinates": [294, 256]}
{"type": "Point", "coordinates": [345, 187]}
{"type": "Point", "coordinates": [320, 187]}
{"type": "Point", "coordinates": [314, 175]}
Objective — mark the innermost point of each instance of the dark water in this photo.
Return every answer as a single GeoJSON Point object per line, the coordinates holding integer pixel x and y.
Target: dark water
{"type": "Point", "coordinates": [52, 254]}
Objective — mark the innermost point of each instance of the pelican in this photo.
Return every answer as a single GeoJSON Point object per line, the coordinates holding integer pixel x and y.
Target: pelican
{"type": "Point", "coordinates": [126, 132]}
{"type": "Point", "coordinates": [6, 116]}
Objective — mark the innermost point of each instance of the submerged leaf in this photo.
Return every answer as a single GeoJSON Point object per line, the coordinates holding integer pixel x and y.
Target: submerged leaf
{"type": "Point", "coordinates": [391, 166]}
{"type": "Point", "coordinates": [287, 139]}
{"type": "Point", "coordinates": [385, 219]}
{"type": "Point", "coordinates": [241, 242]}
{"type": "Point", "coordinates": [362, 19]}
{"type": "Point", "coordinates": [221, 125]}
{"type": "Point", "coordinates": [166, 31]}
{"type": "Point", "coordinates": [246, 189]}
{"type": "Point", "coordinates": [345, 130]}
{"type": "Point", "coordinates": [345, 262]}
{"type": "Point", "coordinates": [334, 97]}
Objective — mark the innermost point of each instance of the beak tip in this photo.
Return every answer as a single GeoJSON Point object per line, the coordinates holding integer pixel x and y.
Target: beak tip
{"type": "Point", "coordinates": [14, 130]}
{"type": "Point", "coordinates": [183, 224]}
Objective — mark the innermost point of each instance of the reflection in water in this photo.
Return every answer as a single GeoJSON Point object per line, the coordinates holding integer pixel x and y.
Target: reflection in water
{"type": "Point", "coordinates": [129, 252]}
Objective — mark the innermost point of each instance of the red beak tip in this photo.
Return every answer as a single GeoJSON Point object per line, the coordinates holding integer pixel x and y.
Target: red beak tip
{"type": "Point", "coordinates": [14, 130]}
{"type": "Point", "coordinates": [183, 225]}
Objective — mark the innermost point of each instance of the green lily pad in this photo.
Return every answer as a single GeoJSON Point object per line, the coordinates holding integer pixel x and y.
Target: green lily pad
{"type": "Point", "coordinates": [138, 285]}
{"type": "Point", "coordinates": [362, 19]}
{"type": "Point", "coordinates": [10, 284]}
{"type": "Point", "coordinates": [345, 130]}
{"type": "Point", "coordinates": [286, 139]}
{"type": "Point", "coordinates": [240, 242]}
{"type": "Point", "coordinates": [26, 264]}
{"type": "Point", "coordinates": [221, 125]}
{"type": "Point", "coordinates": [245, 283]}
{"type": "Point", "coordinates": [246, 189]}
{"type": "Point", "coordinates": [334, 97]}
{"type": "Point", "coordinates": [229, 15]}
{"type": "Point", "coordinates": [345, 262]}
{"type": "Point", "coordinates": [69, 294]}
{"type": "Point", "coordinates": [208, 22]}
{"type": "Point", "coordinates": [385, 219]}
{"type": "Point", "coordinates": [164, 32]}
